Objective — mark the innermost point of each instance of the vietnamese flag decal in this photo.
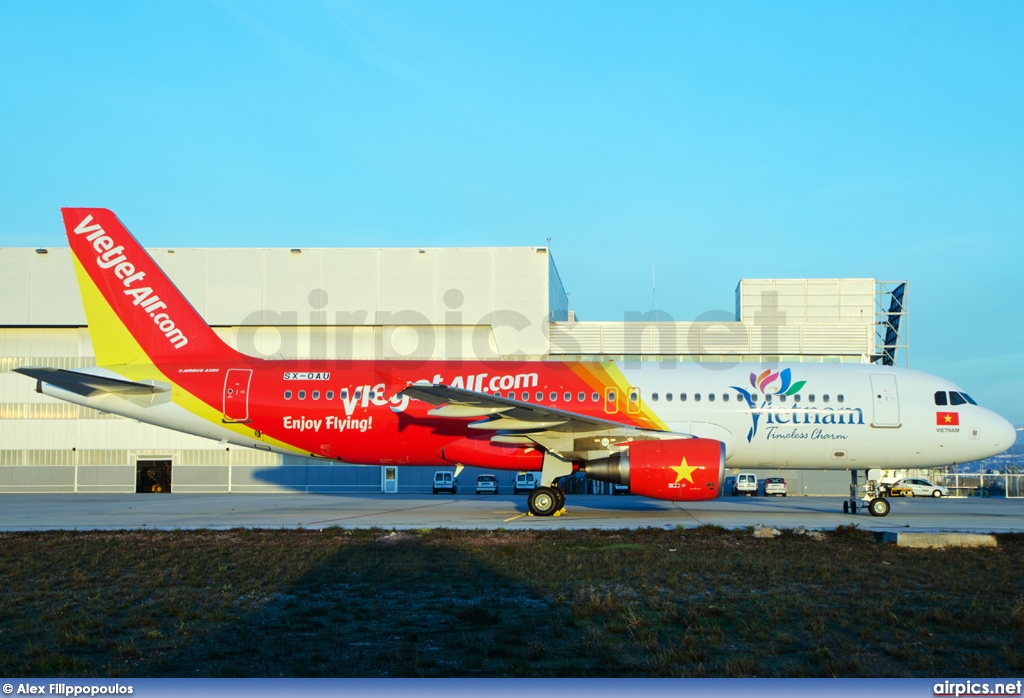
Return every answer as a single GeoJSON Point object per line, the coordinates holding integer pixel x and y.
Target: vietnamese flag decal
{"type": "Point", "coordinates": [947, 419]}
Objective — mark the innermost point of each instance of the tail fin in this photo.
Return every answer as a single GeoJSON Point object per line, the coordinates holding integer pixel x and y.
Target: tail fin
{"type": "Point", "coordinates": [135, 313]}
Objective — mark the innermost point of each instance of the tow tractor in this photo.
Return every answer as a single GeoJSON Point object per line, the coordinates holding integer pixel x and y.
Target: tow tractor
{"type": "Point", "coordinates": [870, 495]}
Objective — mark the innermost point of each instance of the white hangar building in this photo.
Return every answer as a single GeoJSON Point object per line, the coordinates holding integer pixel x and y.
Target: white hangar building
{"type": "Point", "coordinates": [444, 303]}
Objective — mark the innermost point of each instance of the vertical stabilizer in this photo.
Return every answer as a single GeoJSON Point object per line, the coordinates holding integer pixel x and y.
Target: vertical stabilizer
{"type": "Point", "coordinates": [135, 313]}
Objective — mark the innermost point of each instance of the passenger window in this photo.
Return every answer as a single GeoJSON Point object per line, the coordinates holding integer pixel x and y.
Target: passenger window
{"type": "Point", "coordinates": [810, 398]}
{"type": "Point", "coordinates": [343, 394]}
{"type": "Point", "coordinates": [582, 397]}
{"type": "Point", "coordinates": [553, 396]}
{"type": "Point", "coordinates": [824, 398]}
{"type": "Point", "coordinates": [711, 397]}
{"type": "Point", "coordinates": [654, 397]}
{"type": "Point", "coordinates": [682, 397]}
{"type": "Point", "coordinates": [540, 396]}
{"type": "Point", "coordinates": [956, 398]}
{"type": "Point", "coordinates": [782, 398]}
{"type": "Point", "coordinates": [725, 397]}
{"type": "Point", "coordinates": [316, 394]}
{"type": "Point", "coordinates": [525, 395]}
{"type": "Point", "coordinates": [634, 396]}
{"type": "Point", "coordinates": [302, 394]}
{"type": "Point", "coordinates": [668, 397]}
{"type": "Point", "coordinates": [330, 395]}
{"type": "Point", "coordinates": [796, 398]}
{"type": "Point", "coordinates": [567, 397]}
{"type": "Point", "coordinates": [594, 397]}
{"type": "Point", "coordinates": [287, 395]}
{"type": "Point", "coordinates": [359, 393]}
{"type": "Point", "coordinates": [840, 397]}
{"type": "Point", "coordinates": [696, 397]}
{"type": "Point", "coordinates": [611, 396]}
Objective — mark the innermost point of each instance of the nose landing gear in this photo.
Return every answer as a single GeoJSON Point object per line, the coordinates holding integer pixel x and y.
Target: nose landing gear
{"type": "Point", "coordinates": [869, 495]}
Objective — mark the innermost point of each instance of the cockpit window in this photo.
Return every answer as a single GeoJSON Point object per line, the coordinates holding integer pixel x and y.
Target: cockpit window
{"type": "Point", "coordinates": [960, 398]}
{"type": "Point", "coordinates": [940, 397]}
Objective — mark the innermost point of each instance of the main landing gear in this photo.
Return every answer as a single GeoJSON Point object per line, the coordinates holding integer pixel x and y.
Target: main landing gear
{"type": "Point", "coordinates": [869, 495]}
{"type": "Point", "coordinates": [548, 500]}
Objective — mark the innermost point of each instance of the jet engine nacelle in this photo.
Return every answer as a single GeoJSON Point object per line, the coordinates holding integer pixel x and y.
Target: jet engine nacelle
{"type": "Point", "coordinates": [674, 469]}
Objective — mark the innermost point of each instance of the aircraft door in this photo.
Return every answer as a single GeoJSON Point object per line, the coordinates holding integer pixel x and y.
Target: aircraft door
{"type": "Point", "coordinates": [611, 400]}
{"type": "Point", "coordinates": [633, 401]}
{"type": "Point", "coordinates": [236, 394]}
{"type": "Point", "coordinates": [885, 400]}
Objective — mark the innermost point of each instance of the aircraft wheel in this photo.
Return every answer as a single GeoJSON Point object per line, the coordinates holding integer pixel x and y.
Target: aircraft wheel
{"type": "Point", "coordinates": [846, 507]}
{"type": "Point", "coordinates": [878, 506]}
{"type": "Point", "coordinates": [936, 493]}
{"type": "Point", "coordinates": [561, 499]}
{"type": "Point", "coordinates": [543, 501]}
{"type": "Point", "coordinates": [853, 507]}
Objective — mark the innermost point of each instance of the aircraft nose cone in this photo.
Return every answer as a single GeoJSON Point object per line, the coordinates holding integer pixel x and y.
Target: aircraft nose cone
{"type": "Point", "coordinates": [1006, 435]}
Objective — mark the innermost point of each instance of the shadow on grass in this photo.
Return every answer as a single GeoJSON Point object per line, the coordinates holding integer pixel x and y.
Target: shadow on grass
{"type": "Point", "coordinates": [700, 602]}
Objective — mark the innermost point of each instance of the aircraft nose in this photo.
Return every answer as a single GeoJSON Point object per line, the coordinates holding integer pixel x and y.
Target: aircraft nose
{"type": "Point", "coordinates": [1006, 434]}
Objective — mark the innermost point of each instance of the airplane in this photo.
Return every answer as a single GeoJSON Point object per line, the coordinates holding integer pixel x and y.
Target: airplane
{"type": "Point", "coordinates": [668, 435]}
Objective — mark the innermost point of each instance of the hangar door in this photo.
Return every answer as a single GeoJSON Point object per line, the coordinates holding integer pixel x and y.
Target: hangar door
{"type": "Point", "coordinates": [886, 401]}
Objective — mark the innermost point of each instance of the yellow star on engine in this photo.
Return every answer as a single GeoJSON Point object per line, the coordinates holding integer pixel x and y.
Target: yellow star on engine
{"type": "Point", "coordinates": [684, 471]}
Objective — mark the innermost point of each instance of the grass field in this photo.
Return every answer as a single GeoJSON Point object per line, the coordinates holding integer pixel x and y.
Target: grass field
{"type": "Point", "coordinates": [700, 602]}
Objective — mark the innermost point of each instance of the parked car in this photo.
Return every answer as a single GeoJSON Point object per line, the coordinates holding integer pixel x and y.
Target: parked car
{"type": "Point", "coordinates": [746, 483]}
{"type": "Point", "coordinates": [525, 482]}
{"type": "Point", "coordinates": [917, 487]}
{"type": "Point", "coordinates": [486, 484]}
{"type": "Point", "coordinates": [775, 486]}
{"type": "Point", "coordinates": [445, 481]}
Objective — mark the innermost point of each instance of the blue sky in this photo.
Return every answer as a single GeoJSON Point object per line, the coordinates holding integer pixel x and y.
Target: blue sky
{"type": "Point", "coordinates": [712, 141]}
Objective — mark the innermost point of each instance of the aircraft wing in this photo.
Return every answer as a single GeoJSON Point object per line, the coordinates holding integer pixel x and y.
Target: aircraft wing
{"type": "Point", "coordinates": [87, 384]}
{"type": "Point", "coordinates": [569, 433]}
{"type": "Point", "coordinates": [508, 418]}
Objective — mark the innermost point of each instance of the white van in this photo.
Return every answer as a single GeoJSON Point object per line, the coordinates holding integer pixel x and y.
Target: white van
{"type": "Point", "coordinates": [444, 481]}
{"type": "Point", "coordinates": [525, 482]}
{"type": "Point", "coordinates": [746, 483]}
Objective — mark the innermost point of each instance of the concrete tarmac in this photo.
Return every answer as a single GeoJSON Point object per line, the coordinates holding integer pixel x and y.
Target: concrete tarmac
{"type": "Point", "coordinates": [39, 512]}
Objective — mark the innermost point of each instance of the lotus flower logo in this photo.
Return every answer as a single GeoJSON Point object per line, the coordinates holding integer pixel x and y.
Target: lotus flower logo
{"type": "Point", "coordinates": [768, 383]}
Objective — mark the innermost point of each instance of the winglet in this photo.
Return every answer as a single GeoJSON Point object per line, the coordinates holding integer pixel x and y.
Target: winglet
{"type": "Point", "coordinates": [135, 313]}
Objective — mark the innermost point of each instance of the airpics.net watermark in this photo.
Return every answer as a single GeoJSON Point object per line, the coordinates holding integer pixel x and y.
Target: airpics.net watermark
{"type": "Point", "coordinates": [67, 690]}
{"type": "Point", "coordinates": [456, 335]}
{"type": "Point", "coordinates": [977, 688]}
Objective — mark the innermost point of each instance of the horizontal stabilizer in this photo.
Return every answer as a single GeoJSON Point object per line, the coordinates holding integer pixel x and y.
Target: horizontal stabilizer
{"type": "Point", "coordinates": [87, 384]}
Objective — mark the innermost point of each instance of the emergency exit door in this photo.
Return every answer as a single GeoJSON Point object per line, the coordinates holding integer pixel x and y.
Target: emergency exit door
{"type": "Point", "coordinates": [236, 394]}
